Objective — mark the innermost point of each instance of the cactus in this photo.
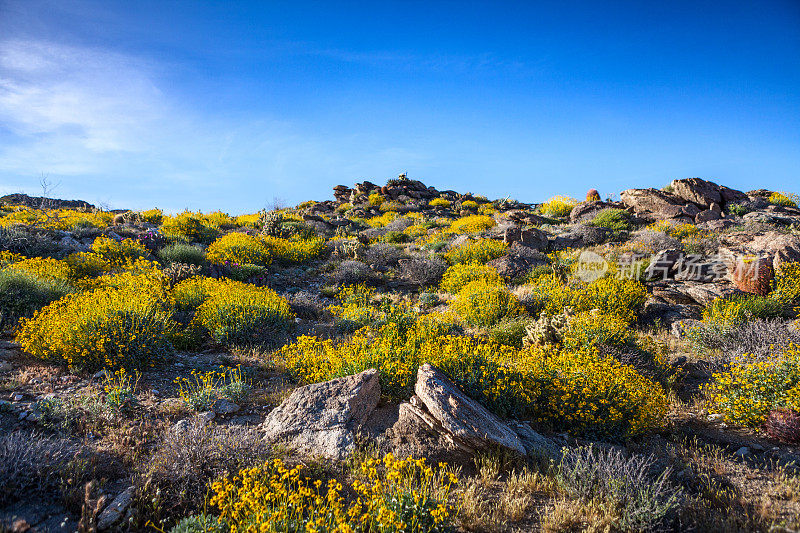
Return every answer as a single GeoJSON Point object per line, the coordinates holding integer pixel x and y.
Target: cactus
{"type": "Point", "coordinates": [592, 196]}
{"type": "Point", "coordinates": [547, 329]}
{"type": "Point", "coordinates": [783, 424]}
{"type": "Point", "coordinates": [753, 275]}
{"type": "Point", "coordinates": [177, 272]}
{"type": "Point", "coordinates": [271, 223]}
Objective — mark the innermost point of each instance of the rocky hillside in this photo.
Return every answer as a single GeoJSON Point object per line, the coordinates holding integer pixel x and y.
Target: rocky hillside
{"type": "Point", "coordinates": [401, 358]}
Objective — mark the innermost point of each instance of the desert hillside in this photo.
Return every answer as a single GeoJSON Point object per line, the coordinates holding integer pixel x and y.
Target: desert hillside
{"type": "Point", "coordinates": [402, 358]}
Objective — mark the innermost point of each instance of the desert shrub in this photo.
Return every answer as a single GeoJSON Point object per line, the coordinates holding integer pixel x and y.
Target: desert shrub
{"type": "Point", "coordinates": [87, 265]}
{"type": "Point", "coordinates": [375, 199]}
{"type": "Point", "coordinates": [200, 523]}
{"type": "Point", "coordinates": [787, 284]}
{"type": "Point", "coordinates": [593, 328]}
{"type": "Point", "coordinates": [509, 331]}
{"type": "Point", "coordinates": [459, 275]}
{"type": "Point", "coordinates": [654, 241]}
{"type": "Point", "coordinates": [205, 388]}
{"type": "Point", "coordinates": [472, 224]}
{"type": "Point", "coordinates": [739, 308]}
{"type": "Point", "coordinates": [383, 255]}
{"type": "Point", "coordinates": [750, 389]}
{"type": "Point", "coordinates": [180, 252]}
{"type": "Point", "coordinates": [422, 271]}
{"type": "Point", "coordinates": [633, 488]}
{"type": "Point", "coordinates": [477, 251]}
{"type": "Point", "coordinates": [240, 249]}
{"type": "Point", "coordinates": [294, 250]}
{"type": "Point", "coordinates": [382, 220]}
{"type": "Point", "coordinates": [189, 457]}
{"type": "Point", "coordinates": [152, 216]}
{"type": "Point", "coordinates": [233, 312]}
{"type": "Point", "coordinates": [784, 199]}
{"type": "Point", "coordinates": [400, 224]}
{"type": "Point", "coordinates": [127, 323]}
{"type": "Point", "coordinates": [439, 202]}
{"type": "Point", "coordinates": [678, 231]}
{"type": "Point", "coordinates": [558, 206]}
{"type": "Point", "coordinates": [188, 226]}
{"type": "Point", "coordinates": [757, 337]}
{"type": "Point", "coordinates": [471, 205]}
{"type": "Point", "coordinates": [395, 237]}
{"type": "Point", "coordinates": [392, 495]}
{"type": "Point", "coordinates": [623, 298]}
{"type": "Point", "coordinates": [613, 219]}
{"type": "Point", "coordinates": [177, 272]}
{"type": "Point", "coordinates": [32, 463]}
{"type": "Point", "coordinates": [119, 252]}
{"type": "Point", "coordinates": [23, 293]}
{"type": "Point", "coordinates": [482, 303]}
{"type": "Point", "coordinates": [44, 267]}
{"type": "Point", "coordinates": [352, 273]}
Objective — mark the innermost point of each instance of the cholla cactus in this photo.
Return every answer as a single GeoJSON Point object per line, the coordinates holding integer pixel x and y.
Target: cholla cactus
{"type": "Point", "coordinates": [592, 196]}
{"type": "Point", "coordinates": [131, 217]}
{"type": "Point", "coordinates": [271, 223]}
{"type": "Point", "coordinates": [177, 272]}
{"type": "Point", "coordinates": [351, 249]}
{"type": "Point", "coordinates": [547, 329]}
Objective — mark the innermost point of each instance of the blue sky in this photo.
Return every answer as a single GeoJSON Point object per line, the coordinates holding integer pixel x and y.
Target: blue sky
{"type": "Point", "coordinates": [227, 105]}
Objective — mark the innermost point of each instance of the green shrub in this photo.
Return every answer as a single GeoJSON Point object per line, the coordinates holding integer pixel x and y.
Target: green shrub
{"type": "Point", "coordinates": [23, 293]}
{"type": "Point", "coordinates": [510, 331]}
{"type": "Point", "coordinates": [613, 219]}
{"type": "Point", "coordinates": [180, 252]}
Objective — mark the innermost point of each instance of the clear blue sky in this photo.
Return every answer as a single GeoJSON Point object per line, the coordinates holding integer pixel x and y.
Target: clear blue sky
{"type": "Point", "coordinates": [208, 105]}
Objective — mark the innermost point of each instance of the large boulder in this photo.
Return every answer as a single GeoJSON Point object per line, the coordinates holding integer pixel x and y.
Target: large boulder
{"type": "Point", "coordinates": [467, 423]}
{"type": "Point", "coordinates": [324, 418]}
{"type": "Point", "coordinates": [705, 193]}
{"type": "Point", "coordinates": [778, 247]}
{"type": "Point", "coordinates": [653, 204]}
{"type": "Point", "coordinates": [519, 260]}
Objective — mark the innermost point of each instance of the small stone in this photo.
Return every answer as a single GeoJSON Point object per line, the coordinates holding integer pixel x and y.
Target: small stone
{"type": "Point", "coordinates": [715, 416]}
{"type": "Point", "coordinates": [743, 451]}
{"type": "Point", "coordinates": [34, 416]}
{"type": "Point", "coordinates": [155, 392]}
{"type": "Point", "coordinates": [206, 416]}
{"type": "Point", "coordinates": [115, 510]}
{"type": "Point", "coordinates": [23, 415]}
{"type": "Point", "coordinates": [17, 397]}
{"type": "Point", "coordinates": [225, 407]}
{"type": "Point", "coordinates": [757, 447]}
{"type": "Point", "coordinates": [99, 375]}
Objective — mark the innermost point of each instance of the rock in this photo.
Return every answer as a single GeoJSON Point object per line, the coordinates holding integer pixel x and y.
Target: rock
{"type": "Point", "coordinates": [586, 211]}
{"type": "Point", "coordinates": [580, 236]}
{"type": "Point", "coordinates": [707, 216]}
{"type": "Point", "coordinates": [17, 397]}
{"type": "Point", "coordinates": [681, 327]}
{"type": "Point", "coordinates": [115, 510]}
{"type": "Point", "coordinates": [467, 422]}
{"type": "Point", "coordinates": [653, 204]}
{"type": "Point", "coordinates": [323, 418]}
{"type": "Point", "coordinates": [743, 451]}
{"type": "Point", "coordinates": [780, 247]}
{"type": "Point", "coordinates": [225, 407]}
{"type": "Point", "coordinates": [518, 261]}
{"type": "Point", "coordinates": [662, 265]}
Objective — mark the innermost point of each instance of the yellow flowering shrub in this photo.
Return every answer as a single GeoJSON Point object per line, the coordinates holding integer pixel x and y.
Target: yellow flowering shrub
{"type": "Point", "coordinates": [592, 328]}
{"type": "Point", "coordinates": [375, 199]}
{"type": "Point", "coordinates": [188, 226]}
{"type": "Point", "coordinates": [390, 495]}
{"type": "Point", "coordinates": [477, 251]}
{"type": "Point", "coordinates": [483, 303]}
{"type": "Point", "coordinates": [381, 221]}
{"type": "Point", "coordinates": [749, 390]}
{"type": "Point", "coordinates": [44, 267]}
{"type": "Point", "coordinates": [487, 209]}
{"type": "Point", "coordinates": [783, 198]}
{"type": "Point", "coordinates": [459, 275]}
{"type": "Point", "coordinates": [471, 205]}
{"type": "Point", "coordinates": [679, 231]}
{"type": "Point", "coordinates": [236, 312]}
{"type": "Point", "coordinates": [439, 202]}
{"type": "Point", "coordinates": [203, 389]}
{"type": "Point", "coordinates": [87, 265]}
{"type": "Point", "coordinates": [415, 231]}
{"type": "Point", "coordinates": [355, 309]}
{"type": "Point", "coordinates": [294, 250]}
{"type": "Point", "coordinates": [239, 249]}
{"type": "Point", "coordinates": [118, 252]}
{"type": "Point", "coordinates": [62, 219]}
{"type": "Point", "coordinates": [124, 325]}
{"type": "Point", "coordinates": [558, 206]}
{"type": "Point", "coordinates": [6, 258]}
{"type": "Point", "coordinates": [472, 224]}
{"type": "Point", "coordinates": [152, 216]}
{"type": "Point", "coordinates": [787, 283]}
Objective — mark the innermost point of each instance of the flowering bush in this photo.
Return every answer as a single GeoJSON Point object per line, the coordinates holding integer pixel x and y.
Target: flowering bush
{"type": "Point", "coordinates": [391, 495]}
{"type": "Point", "coordinates": [784, 199]}
{"type": "Point", "coordinates": [470, 205]}
{"type": "Point", "coordinates": [119, 252]}
{"type": "Point", "coordinates": [383, 220]}
{"type": "Point", "coordinates": [482, 303]}
{"type": "Point", "coordinates": [592, 328]}
{"type": "Point", "coordinates": [87, 265]}
{"type": "Point", "coordinates": [749, 390]}
{"type": "Point", "coordinates": [375, 199]}
{"type": "Point", "coordinates": [787, 283]}
{"type": "Point", "coordinates": [188, 226]}
{"type": "Point", "coordinates": [558, 206]}
{"type": "Point", "coordinates": [239, 248]}
{"type": "Point", "coordinates": [239, 312]}
{"type": "Point", "coordinates": [128, 324]}
{"type": "Point", "coordinates": [472, 224]}
{"type": "Point", "coordinates": [204, 388]}
{"type": "Point", "coordinates": [23, 293]}
{"type": "Point", "coordinates": [294, 250]}
{"type": "Point", "coordinates": [61, 219]}
{"type": "Point", "coordinates": [477, 251]}
{"type": "Point", "coordinates": [152, 216]}
{"type": "Point", "coordinates": [439, 202]}
{"type": "Point", "coordinates": [460, 274]}
{"type": "Point", "coordinates": [44, 267]}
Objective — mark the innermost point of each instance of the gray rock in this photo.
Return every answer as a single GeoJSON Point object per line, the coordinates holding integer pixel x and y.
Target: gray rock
{"type": "Point", "coordinates": [653, 204]}
{"type": "Point", "coordinates": [225, 407]}
{"type": "Point", "coordinates": [323, 418]}
{"type": "Point", "coordinates": [706, 216]}
{"type": "Point", "coordinates": [468, 423]}
{"type": "Point", "coordinates": [112, 514]}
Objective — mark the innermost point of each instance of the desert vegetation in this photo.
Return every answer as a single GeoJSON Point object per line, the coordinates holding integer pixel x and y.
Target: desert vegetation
{"type": "Point", "coordinates": [404, 359]}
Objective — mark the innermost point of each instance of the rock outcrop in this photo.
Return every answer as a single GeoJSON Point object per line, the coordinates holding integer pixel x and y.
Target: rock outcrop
{"type": "Point", "coordinates": [324, 418]}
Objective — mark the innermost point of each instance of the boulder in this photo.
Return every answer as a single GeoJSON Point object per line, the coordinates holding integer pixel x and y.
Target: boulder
{"type": "Point", "coordinates": [324, 418]}
{"type": "Point", "coordinates": [653, 204]}
{"type": "Point", "coordinates": [580, 236]}
{"type": "Point", "coordinates": [706, 216]}
{"type": "Point", "coordinates": [466, 422]}
{"type": "Point", "coordinates": [586, 211]}
{"type": "Point", "coordinates": [662, 264]}
{"type": "Point", "coordinates": [779, 247]}
{"type": "Point", "coordinates": [532, 238]}
{"type": "Point", "coordinates": [112, 514]}
{"type": "Point", "coordinates": [705, 193]}
{"type": "Point", "coordinates": [519, 260]}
